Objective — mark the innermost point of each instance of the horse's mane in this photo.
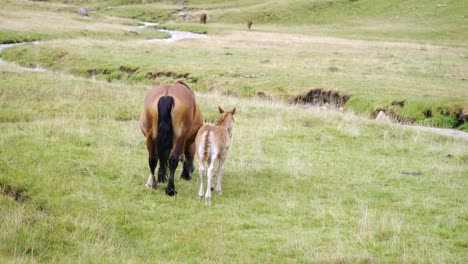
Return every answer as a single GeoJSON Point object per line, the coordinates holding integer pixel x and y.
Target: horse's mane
{"type": "Point", "coordinates": [184, 84]}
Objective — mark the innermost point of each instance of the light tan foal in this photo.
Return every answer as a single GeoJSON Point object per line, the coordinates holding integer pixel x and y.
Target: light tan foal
{"type": "Point", "coordinates": [212, 145]}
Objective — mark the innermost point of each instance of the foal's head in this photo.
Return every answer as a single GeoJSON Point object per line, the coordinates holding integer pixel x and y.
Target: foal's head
{"type": "Point", "coordinates": [226, 119]}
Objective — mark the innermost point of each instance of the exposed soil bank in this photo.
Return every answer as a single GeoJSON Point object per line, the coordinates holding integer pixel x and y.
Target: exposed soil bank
{"type": "Point", "coordinates": [321, 97]}
{"type": "Point", "coordinates": [457, 116]}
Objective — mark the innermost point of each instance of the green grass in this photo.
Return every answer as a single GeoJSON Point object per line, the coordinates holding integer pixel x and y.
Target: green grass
{"type": "Point", "coordinates": [28, 23]}
{"type": "Point", "coordinates": [413, 20]}
{"type": "Point", "coordinates": [245, 64]}
{"type": "Point", "coordinates": [318, 186]}
{"type": "Point", "coordinates": [300, 185]}
{"type": "Point", "coordinates": [375, 67]}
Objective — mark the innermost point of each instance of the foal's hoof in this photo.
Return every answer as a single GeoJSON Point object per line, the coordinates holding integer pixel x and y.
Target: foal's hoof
{"type": "Point", "coordinates": [207, 201]}
{"type": "Point", "coordinates": [170, 192]}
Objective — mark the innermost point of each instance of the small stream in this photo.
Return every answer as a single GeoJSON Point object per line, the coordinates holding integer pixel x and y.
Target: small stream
{"type": "Point", "coordinates": [175, 35]}
{"type": "Point", "coordinates": [6, 46]}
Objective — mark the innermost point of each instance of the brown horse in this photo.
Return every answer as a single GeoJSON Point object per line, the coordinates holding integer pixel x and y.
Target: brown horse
{"type": "Point", "coordinates": [213, 143]}
{"type": "Point", "coordinates": [203, 18]}
{"type": "Point", "coordinates": [249, 24]}
{"type": "Point", "coordinates": [170, 121]}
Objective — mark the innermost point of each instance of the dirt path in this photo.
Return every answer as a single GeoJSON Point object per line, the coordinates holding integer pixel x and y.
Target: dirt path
{"type": "Point", "coordinates": [443, 131]}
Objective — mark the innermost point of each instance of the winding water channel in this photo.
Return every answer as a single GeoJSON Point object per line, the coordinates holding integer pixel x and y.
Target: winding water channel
{"type": "Point", "coordinates": [175, 36]}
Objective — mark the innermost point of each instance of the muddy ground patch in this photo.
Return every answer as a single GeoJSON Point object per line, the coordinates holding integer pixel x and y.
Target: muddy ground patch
{"type": "Point", "coordinates": [13, 192]}
{"type": "Point", "coordinates": [135, 74]}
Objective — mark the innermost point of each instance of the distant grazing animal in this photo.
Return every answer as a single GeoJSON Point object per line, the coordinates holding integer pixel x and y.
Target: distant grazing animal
{"type": "Point", "coordinates": [170, 121]}
{"type": "Point", "coordinates": [213, 142]}
{"type": "Point", "coordinates": [249, 24]}
{"type": "Point", "coordinates": [203, 18]}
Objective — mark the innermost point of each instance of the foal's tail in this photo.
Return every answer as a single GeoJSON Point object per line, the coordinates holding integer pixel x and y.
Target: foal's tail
{"type": "Point", "coordinates": [206, 145]}
{"type": "Point", "coordinates": [165, 138]}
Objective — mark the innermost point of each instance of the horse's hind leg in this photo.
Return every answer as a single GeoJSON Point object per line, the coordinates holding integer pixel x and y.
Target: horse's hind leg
{"type": "Point", "coordinates": [153, 161]}
{"type": "Point", "coordinates": [173, 162]}
{"type": "Point", "coordinates": [188, 163]}
{"type": "Point", "coordinates": [162, 172]}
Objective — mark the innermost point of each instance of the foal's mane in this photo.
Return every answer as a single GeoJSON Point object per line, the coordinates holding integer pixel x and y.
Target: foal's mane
{"type": "Point", "coordinates": [220, 120]}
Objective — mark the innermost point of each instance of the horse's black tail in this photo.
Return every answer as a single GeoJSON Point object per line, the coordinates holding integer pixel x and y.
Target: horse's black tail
{"type": "Point", "coordinates": [165, 138]}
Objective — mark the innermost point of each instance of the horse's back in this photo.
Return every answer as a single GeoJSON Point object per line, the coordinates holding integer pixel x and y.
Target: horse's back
{"type": "Point", "coordinates": [184, 112]}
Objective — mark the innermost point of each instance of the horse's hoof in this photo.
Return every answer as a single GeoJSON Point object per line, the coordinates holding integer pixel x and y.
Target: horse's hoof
{"type": "Point", "coordinates": [186, 176]}
{"type": "Point", "coordinates": [161, 179]}
{"type": "Point", "coordinates": [192, 169]}
{"type": "Point", "coordinates": [207, 201]}
{"type": "Point", "coordinates": [201, 197]}
{"type": "Point", "coordinates": [151, 183]}
{"type": "Point", "coordinates": [170, 192]}
{"type": "Point", "coordinates": [153, 186]}
{"type": "Point", "coordinates": [212, 188]}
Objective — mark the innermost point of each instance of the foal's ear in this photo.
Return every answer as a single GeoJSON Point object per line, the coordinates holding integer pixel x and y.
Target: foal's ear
{"type": "Point", "coordinates": [233, 111]}
{"type": "Point", "coordinates": [220, 110]}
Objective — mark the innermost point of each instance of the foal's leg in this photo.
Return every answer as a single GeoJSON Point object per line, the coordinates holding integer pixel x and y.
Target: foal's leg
{"type": "Point", "coordinates": [152, 160]}
{"type": "Point", "coordinates": [210, 180]}
{"type": "Point", "coordinates": [220, 174]}
{"type": "Point", "coordinates": [201, 171]}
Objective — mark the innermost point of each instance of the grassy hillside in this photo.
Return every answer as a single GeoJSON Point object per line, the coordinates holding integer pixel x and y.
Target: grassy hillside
{"type": "Point", "coordinates": [281, 66]}
{"type": "Point", "coordinates": [31, 21]}
{"type": "Point", "coordinates": [415, 20]}
{"type": "Point", "coordinates": [316, 44]}
{"type": "Point", "coordinates": [300, 185]}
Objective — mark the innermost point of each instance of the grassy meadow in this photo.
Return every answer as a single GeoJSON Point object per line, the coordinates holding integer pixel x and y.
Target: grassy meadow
{"type": "Point", "coordinates": [277, 61]}
{"type": "Point", "coordinates": [300, 185]}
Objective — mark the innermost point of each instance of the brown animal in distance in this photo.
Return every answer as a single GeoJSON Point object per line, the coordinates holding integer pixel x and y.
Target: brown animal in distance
{"type": "Point", "coordinates": [249, 24]}
{"type": "Point", "coordinates": [170, 121]}
{"type": "Point", "coordinates": [203, 18]}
